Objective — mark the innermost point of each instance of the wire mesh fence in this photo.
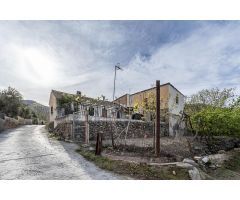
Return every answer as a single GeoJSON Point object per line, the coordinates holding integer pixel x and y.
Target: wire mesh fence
{"type": "Point", "coordinates": [120, 133]}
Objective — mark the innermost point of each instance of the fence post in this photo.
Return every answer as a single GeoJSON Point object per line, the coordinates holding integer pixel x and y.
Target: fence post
{"type": "Point", "coordinates": [86, 128]}
{"type": "Point", "coordinates": [98, 144]}
{"type": "Point", "coordinates": [154, 135]}
{"type": "Point", "coordinates": [73, 127]}
{"type": "Point", "coordinates": [157, 118]}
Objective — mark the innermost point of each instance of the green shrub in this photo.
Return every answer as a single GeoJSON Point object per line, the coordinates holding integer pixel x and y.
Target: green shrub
{"type": "Point", "coordinates": [217, 121]}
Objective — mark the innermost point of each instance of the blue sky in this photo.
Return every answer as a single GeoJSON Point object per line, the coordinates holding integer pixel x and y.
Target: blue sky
{"type": "Point", "coordinates": [37, 56]}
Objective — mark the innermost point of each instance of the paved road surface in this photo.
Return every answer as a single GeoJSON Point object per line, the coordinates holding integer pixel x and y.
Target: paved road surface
{"type": "Point", "coordinates": [27, 153]}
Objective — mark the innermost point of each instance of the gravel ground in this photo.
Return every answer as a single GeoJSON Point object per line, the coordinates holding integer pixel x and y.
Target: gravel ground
{"type": "Point", "coordinates": [28, 153]}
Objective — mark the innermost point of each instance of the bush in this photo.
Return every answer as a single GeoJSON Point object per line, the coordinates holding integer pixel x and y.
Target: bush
{"type": "Point", "coordinates": [50, 126]}
{"type": "Point", "coordinates": [217, 121]}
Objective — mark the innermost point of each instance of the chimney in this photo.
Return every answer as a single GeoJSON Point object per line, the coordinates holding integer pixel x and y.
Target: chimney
{"type": "Point", "coordinates": [79, 93]}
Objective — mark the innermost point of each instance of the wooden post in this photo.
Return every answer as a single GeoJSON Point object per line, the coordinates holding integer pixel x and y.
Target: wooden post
{"type": "Point", "coordinates": [157, 150]}
{"type": "Point", "coordinates": [154, 135]}
{"type": "Point", "coordinates": [73, 128]}
{"type": "Point", "coordinates": [98, 144]}
{"type": "Point", "coordinates": [86, 128]}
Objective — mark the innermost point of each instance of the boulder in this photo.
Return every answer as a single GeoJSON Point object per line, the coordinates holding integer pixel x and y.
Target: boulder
{"type": "Point", "coordinates": [197, 158]}
{"type": "Point", "coordinates": [91, 149]}
{"type": "Point", "coordinates": [190, 161]}
{"type": "Point", "coordinates": [205, 160]}
{"type": "Point", "coordinates": [218, 158]}
{"type": "Point", "coordinates": [213, 166]}
{"type": "Point", "coordinates": [197, 148]}
{"type": "Point", "coordinates": [221, 151]}
{"type": "Point", "coordinates": [184, 165]}
{"type": "Point", "coordinates": [194, 174]}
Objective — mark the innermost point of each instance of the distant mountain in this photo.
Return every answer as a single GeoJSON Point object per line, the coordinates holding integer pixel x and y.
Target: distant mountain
{"type": "Point", "coordinates": [28, 102]}
{"type": "Point", "coordinates": [41, 111]}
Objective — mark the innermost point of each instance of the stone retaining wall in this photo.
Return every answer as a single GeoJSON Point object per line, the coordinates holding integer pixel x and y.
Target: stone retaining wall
{"type": "Point", "coordinates": [8, 123]}
{"type": "Point", "coordinates": [1, 124]}
{"type": "Point", "coordinates": [136, 129]}
{"type": "Point", "coordinates": [76, 129]}
{"type": "Point", "coordinates": [64, 130]}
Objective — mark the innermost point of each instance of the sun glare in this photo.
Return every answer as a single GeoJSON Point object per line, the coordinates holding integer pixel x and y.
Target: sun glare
{"type": "Point", "coordinates": [37, 66]}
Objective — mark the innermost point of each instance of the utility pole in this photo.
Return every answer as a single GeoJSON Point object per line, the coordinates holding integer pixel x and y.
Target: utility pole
{"type": "Point", "coordinates": [116, 67]}
{"type": "Point", "coordinates": [157, 150]}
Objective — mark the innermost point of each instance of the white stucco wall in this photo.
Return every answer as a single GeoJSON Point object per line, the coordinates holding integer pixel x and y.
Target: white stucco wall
{"type": "Point", "coordinates": [53, 103]}
{"type": "Point", "coordinates": [175, 109]}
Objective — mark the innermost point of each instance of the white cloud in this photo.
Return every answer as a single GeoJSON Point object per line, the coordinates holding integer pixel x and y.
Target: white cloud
{"type": "Point", "coordinates": [38, 56]}
{"type": "Point", "coordinates": [205, 59]}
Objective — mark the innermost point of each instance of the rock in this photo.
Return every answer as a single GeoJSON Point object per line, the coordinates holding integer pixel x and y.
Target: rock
{"type": "Point", "coordinates": [205, 159]}
{"type": "Point", "coordinates": [229, 144]}
{"type": "Point", "coordinates": [190, 161]}
{"type": "Point", "coordinates": [197, 148]}
{"type": "Point", "coordinates": [179, 158]}
{"type": "Point", "coordinates": [221, 151]}
{"type": "Point", "coordinates": [213, 166]}
{"type": "Point", "coordinates": [236, 149]}
{"type": "Point", "coordinates": [218, 158]}
{"type": "Point", "coordinates": [91, 149]}
{"type": "Point", "coordinates": [194, 174]}
{"type": "Point", "coordinates": [174, 173]}
{"type": "Point", "coordinates": [184, 165]}
{"type": "Point", "coordinates": [197, 158]}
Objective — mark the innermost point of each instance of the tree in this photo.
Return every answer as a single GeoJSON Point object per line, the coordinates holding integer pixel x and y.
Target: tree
{"type": "Point", "coordinates": [212, 97]}
{"type": "Point", "coordinates": [214, 112]}
{"type": "Point", "coordinates": [102, 98]}
{"type": "Point", "coordinates": [209, 98]}
{"type": "Point", "coordinates": [148, 105]}
{"type": "Point", "coordinates": [217, 121]}
{"type": "Point", "coordinates": [10, 101]}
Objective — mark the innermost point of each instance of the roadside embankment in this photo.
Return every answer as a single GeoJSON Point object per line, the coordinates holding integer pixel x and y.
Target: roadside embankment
{"type": "Point", "coordinates": [8, 123]}
{"type": "Point", "coordinates": [135, 170]}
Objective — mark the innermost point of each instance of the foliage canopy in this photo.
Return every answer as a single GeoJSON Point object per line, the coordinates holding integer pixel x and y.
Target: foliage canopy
{"type": "Point", "coordinates": [214, 112]}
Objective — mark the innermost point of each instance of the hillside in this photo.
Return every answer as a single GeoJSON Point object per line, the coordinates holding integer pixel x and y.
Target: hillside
{"type": "Point", "coordinates": [41, 111]}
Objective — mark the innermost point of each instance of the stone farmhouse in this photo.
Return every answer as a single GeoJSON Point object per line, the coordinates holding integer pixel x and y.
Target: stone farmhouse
{"type": "Point", "coordinates": [95, 108]}
{"type": "Point", "coordinates": [172, 105]}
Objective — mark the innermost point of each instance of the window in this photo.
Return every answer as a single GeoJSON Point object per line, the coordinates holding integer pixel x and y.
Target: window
{"type": "Point", "coordinates": [104, 112]}
{"type": "Point", "coordinates": [51, 110]}
{"type": "Point", "coordinates": [177, 99]}
{"type": "Point", "coordinates": [91, 111]}
{"type": "Point", "coordinates": [118, 114]}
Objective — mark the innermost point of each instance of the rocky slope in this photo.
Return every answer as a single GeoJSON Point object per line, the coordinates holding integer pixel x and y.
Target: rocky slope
{"type": "Point", "coordinates": [41, 111]}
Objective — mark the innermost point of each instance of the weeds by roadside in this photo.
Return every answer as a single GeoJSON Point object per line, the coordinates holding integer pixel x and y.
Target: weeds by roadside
{"type": "Point", "coordinates": [135, 170]}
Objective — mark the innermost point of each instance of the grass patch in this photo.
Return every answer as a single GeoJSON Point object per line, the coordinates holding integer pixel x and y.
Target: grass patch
{"type": "Point", "coordinates": [137, 171]}
{"type": "Point", "coordinates": [234, 162]}
{"type": "Point", "coordinates": [230, 170]}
